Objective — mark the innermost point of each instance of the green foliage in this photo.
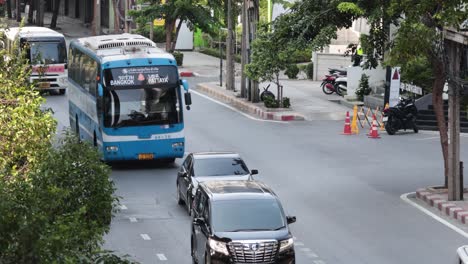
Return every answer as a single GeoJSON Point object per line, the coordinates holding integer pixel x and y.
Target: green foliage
{"type": "Point", "coordinates": [310, 70]}
{"type": "Point", "coordinates": [271, 102]}
{"type": "Point", "coordinates": [159, 34]}
{"type": "Point", "coordinates": [292, 71]}
{"type": "Point", "coordinates": [363, 88]}
{"type": "Point", "coordinates": [179, 57]}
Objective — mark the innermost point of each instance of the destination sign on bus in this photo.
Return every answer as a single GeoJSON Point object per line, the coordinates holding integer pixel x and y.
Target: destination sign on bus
{"type": "Point", "coordinates": [141, 76]}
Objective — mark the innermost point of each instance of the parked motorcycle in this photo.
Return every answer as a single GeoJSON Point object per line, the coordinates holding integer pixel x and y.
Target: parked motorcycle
{"type": "Point", "coordinates": [334, 82]}
{"type": "Point", "coordinates": [401, 116]}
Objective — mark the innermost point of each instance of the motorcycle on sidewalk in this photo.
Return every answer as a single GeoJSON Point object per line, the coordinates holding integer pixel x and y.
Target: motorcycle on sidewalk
{"type": "Point", "coordinates": [334, 82]}
{"type": "Point", "coordinates": [401, 116]}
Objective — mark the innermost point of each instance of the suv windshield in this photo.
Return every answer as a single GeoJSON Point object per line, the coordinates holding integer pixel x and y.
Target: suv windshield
{"type": "Point", "coordinates": [247, 215]}
{"type": "Point", "coordinates": [219, 167]}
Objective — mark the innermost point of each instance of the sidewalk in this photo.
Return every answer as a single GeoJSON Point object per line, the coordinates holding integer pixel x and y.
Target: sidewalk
{"type": "Point", "coordinates": [308, 102]}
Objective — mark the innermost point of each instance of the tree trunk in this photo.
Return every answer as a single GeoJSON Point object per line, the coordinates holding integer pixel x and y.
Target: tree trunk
{"type": "Point", "coordinates": [53, 22]}
{"type": "Point", "coordinates": [18, 11]}
{"type": "Point", "coordinates": [229, 49]}
{"type": "Point", "coordinates": [8, 4]}
{"type": "Point", "coordinates": [438, 103]}
{"type": "Point", "coordinates": [174, 43]}
{"type": "Point", "coordinates": [116, 16]}
{"type": "Point", "coordinates": [40, 13]}
{"type": "Point", "coordinates": [169, 26]}
{"type": "Point", "coordinates": [32, 6]}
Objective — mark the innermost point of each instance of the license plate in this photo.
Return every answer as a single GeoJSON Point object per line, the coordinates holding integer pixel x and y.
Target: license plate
{"type": "Point", "coordinates": [44, 85]}
{"type": "Point", "coordinates": [145, 156]}
{"type": "Point", "coordinates": [385, 119]}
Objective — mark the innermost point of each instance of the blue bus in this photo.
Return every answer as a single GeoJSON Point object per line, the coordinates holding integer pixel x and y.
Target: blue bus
{"type": "Point", "coordinates": [125, 98]}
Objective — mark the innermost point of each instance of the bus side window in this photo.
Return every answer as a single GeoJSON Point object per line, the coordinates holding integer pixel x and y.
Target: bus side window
{"type": "Point", "coordinates": [92, 74]}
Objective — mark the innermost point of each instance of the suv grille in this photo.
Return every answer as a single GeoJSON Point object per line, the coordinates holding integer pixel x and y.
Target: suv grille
{"type": "Point", "coordinates": [253, 251]}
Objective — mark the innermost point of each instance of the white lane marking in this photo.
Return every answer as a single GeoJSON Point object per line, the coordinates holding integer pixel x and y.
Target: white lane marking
{"type": "Point", "coordinates": [305, 249]}
{"type": "Point", "coordinates": [161, 257]}
{"type": "Point", "coordinates": [235, 110]}
{"type": "Point", "coordinates": [300, 244]}
{"type": "Point", "coordinates": [405, 198]}
{"type": "Point", "coordinates": [123, 207]}
{"type": "Point", "coordinates": [133, 219]}
{"type": "Point", "coordinates": [319, 262]}
{"type": "Point", "coordinates": [145, 237]}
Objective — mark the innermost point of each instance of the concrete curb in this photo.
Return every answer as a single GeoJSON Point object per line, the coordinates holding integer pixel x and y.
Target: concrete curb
{"type": "Point", "coordinates": [439, 201]}
{"type": "Point", "coordinates": [244, 105]}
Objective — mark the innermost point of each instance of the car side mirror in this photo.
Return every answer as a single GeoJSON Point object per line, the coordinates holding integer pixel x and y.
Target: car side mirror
{"type": "Point", "coordinates": [290, 219]}
{"type": "Point", "coordinates": [100, 90]}
{"type": "Point", "coordinates": [254, 172]}
{"type": "Point", "coordinates": [188, 100]}
{"type": "Point", "coordinates": [198, 221]}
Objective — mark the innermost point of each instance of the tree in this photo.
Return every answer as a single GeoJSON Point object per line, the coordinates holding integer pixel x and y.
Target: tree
{"type": "Point", "coordinates": [195, 13]}
{"type": "Point", "coordinates": [53, 22]}
{"type": "Point", "coordinates": [56, 199]}
{"type": "Point", "coordinates": [269, 58]}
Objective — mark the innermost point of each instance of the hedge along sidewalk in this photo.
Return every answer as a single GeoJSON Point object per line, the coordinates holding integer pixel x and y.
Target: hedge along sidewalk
{"type": "Point", "coordinates": [212, 89]}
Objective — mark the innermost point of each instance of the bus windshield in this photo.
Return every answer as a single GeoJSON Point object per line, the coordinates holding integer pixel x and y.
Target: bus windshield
{"type": "Point", "coordinates": [50, 52]}
{"type": "Point", "coordinates": [141, 96]}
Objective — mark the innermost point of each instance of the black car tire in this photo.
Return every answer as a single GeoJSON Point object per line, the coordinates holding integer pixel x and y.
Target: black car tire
{"type": "Point", "coordinates": [189, 204]}
{"type": "Point", "coordinates": [179, 197]}
{"type": "Point", "coordinates": [415, 128]}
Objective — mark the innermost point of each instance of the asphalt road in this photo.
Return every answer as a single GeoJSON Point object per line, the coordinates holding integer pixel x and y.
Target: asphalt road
{"type": "Point", "coordinates": [344, 190]}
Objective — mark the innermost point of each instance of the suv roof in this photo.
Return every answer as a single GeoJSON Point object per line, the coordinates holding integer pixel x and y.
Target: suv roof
{"type": "Point", "coordinates": [215, 154]}
{"type": "Point", "coordinates": [233, 190]}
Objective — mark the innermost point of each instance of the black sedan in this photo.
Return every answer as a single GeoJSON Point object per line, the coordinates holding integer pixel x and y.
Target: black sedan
{"type": "Point", "coordinates": [204, 166]}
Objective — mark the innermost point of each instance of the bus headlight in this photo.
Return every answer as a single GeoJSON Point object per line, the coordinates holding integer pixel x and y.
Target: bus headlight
{"type": "Point", "coordinates": [63, 80]}
{"type": "Point", "coordinates": [112, 149]}
{"type": "Point", "coordinates": [178, 145]}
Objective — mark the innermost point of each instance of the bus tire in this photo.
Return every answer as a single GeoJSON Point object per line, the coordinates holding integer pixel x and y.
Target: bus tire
{"type": "Point", "coordinates": [77, 128]}
{"type": "Point", "coordinates": [95, 140]}
{"type": "Point", "coordinates": [62, 91]}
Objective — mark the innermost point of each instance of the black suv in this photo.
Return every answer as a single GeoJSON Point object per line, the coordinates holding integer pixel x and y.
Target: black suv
{"type": "Point", "coordinates": [240, 222]}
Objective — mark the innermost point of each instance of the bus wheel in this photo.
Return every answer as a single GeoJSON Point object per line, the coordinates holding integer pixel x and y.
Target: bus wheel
{"type": "Point", "coordinates": [62, 91]}
{"type": "Point", "coordinates": [95, 140]}
{"type": "Point", "coordinates": [169, 160]}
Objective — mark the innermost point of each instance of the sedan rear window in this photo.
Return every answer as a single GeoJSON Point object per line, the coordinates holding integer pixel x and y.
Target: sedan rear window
{"type": "Point", "coordinates": [247, 215]}
{"type": "Point", "coordinates": [219, 167]}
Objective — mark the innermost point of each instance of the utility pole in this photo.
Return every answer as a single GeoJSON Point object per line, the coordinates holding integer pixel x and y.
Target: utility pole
{"type": "Point", "coordinates": [97, 18]}
{"type": "Point", "coordinates": [8, 3]}
{"type": "Point", "coordinates": [40, 13]}
{"type": "Point", "coordinates": [229, 49]}
{"type": "Point", "coordinates": [243, 50]}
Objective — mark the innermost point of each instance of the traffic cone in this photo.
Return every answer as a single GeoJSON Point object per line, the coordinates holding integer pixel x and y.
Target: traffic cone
{"type": "Point", "coordinates": [347, 126]}
{"type": "Point", "coordinates": [374, 131]}
{"type": "Point", "coordinates": [382, 127]}
{"type": "Point", "coordinates": [354, 126]}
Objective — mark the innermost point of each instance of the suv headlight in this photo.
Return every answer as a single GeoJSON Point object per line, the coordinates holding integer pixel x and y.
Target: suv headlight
{"type": "Point", "coordinates": [286, 244]}
{"type": "Point", "coordinates": [218, 246]}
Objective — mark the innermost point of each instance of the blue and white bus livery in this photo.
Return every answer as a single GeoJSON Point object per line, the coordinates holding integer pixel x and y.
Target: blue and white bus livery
{"type": "Point", "coordinates": [125, 97]}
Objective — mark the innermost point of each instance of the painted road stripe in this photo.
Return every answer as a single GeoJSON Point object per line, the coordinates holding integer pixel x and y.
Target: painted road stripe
{"type": "Point", "coordinates": [145, 237]}
{"type": "Point", "coordinates": [123, 207]}
{"type": "Point", "coordinates": [319, 262]}
{"type": "Point", "coordinates": [161, 257]}
{"type": "Point", "coordinates": [133, 219]}
{"type": "Point", "coordinates": [305, 249]}
{"type": "Point", "coordinates": [234, 109]}
{"type": "Point", "coordinates": [300, 244]}
{"type": "Point", "coordinates": [312, 255]}
{"type": "Point", "coordinates": [405, 198]}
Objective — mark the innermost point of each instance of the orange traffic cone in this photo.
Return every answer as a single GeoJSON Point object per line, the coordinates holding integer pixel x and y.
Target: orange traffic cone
{"type": "Point", "coordinates": [374, 131]}
{"type": "Point", "coordinates": [347, 125]}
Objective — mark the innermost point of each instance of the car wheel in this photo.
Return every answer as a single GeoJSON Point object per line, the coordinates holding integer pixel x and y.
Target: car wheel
{"type": "Point", "coordinates": [192, 250]}
{"type": "Point", "coordinates": [179, 197]}
{"type": "Point", "coordinates": [189, 204]}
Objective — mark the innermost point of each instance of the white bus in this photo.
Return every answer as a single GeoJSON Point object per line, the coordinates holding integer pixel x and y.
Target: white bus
{"type": "Point", "coordinates": [47, 52]}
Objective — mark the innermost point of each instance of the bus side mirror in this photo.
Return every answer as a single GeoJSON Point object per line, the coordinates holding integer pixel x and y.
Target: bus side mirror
{"type": "Point", "coordinates": [100, 90]}
{"type": "Point", "coordinates": [185, 84]}
{"type": "Point", "coordinates": [188, 100]}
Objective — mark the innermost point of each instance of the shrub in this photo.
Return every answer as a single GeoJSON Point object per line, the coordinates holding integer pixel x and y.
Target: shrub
{"type": "Point", "coordinates": [310, 71]}
{"type": "Point", "coordinates": [159, 33]}
{"type": "Point", "coordinates": [271, 102]}
{"type": "Point", "coordinates": [291, 71]}
{"type": "Point", "coordinates": [179, 57]}
{"type": "Point", "coordinates": [363, 88]}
